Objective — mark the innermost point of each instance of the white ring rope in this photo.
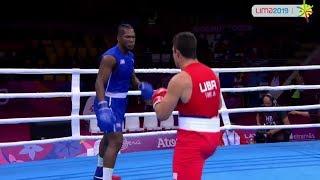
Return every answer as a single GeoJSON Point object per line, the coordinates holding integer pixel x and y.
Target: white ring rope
{"type": "Point", "coordinates": [270, 109]}
{"type": "Point", "coordinates": [67, 118]}
{"type": "Point", "coordinates": [226, 127]}
{"type": "Point", "coordinates": [34, 119]}
{"type": "Point", "coordinates": [35, 95]}
{"type": "Point", "coordinates": [143, 114]}
{"type": "Point", "coordinates": [76, 73]}
{"type": "Point", "coordinates": [136, 93]}
{"type": "Point", "coordinates": [171, 71]}
{"type": "Point", "coordinates": [52, 94]}
{"type": "Point", "coordinates": [255, 127]}
{"type": "Point", "coordinates": [93, 93]}
{"type": "Point", "coordinates": [259, 69]}
{"type": "Point", "coordinates": [270, 88]}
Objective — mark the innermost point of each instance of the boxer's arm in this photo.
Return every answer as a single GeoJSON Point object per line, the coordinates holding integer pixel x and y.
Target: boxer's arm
{"type": "Point", "coordinates": [135, 81]}
{"type": "Point", "coordinates": [167, 105]}
{"type": "Point", "coordinates": [106, 65]}
{"type": "Point", "coordinates": [145, 87]}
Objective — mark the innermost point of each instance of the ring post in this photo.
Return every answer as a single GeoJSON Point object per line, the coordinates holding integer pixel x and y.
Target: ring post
{"type": "Point", "coordinates": [75, 89]}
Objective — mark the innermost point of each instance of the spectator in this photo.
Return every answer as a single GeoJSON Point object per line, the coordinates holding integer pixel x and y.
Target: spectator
{"type": "Point", "coordinates": [313, 114]}
{"type": "Point", "coordinates": [296, 94]}
{"type": "Point", "coordinates": [272, 118]}
{"type": "Point", "coordinates": [275, 82]}
{"type": "Point", "coordinates": [238, 80]}
{"type": "Point", "coordinates": [253, 98]}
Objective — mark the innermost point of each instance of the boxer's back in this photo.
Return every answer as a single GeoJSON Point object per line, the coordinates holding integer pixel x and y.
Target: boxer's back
{"type": "Point", "coordinates": [198, 135]}
{"type": "Point", "coordinates": [205, 98]}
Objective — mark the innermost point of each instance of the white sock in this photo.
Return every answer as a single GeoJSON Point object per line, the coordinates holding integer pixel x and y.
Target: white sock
{"type": "Point", "coordinates": [107, 173]}
{"type": "Point", "coordinates": [100, 161]}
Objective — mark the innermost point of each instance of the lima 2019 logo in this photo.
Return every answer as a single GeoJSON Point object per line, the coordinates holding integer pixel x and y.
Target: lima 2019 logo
{"type": "Point", "coordinates": [283, 10]}
{"type": "Point", "coordinates": [305, 10]}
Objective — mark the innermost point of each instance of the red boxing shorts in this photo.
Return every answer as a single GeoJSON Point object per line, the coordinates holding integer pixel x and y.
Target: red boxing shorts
{"type": "Point", "coordinates": [191, 151]}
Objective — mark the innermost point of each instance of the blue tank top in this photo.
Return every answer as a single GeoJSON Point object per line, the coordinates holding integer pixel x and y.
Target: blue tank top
{"type": "Point", "coordinates": [120, 78]}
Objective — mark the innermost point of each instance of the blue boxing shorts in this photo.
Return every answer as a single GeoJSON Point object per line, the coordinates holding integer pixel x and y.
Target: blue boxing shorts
{"type": "Point", "coordinates": [118, 106]}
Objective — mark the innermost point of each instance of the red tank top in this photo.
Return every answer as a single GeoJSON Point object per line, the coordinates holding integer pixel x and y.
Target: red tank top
{"type": "Point", "coordinates": [205, 97]}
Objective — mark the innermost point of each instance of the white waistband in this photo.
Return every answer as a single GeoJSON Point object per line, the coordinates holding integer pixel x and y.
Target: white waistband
{"type": "Point", "coordinates": [116, 95]}
{"type": "Point", "coordinates": [199, 124]}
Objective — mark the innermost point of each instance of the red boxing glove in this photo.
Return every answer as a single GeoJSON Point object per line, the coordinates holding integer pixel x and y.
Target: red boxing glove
{"type": "Point", "coordinates": [158, 96]}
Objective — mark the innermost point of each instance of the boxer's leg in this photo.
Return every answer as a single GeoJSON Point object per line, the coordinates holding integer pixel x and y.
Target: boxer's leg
{"type": "Point", "coordinates": [187, 158]}
{"type": "Point", "coordinates": [111, 143]}
{"type": "Point", "coordinates": [119, 106]}
{"type": "Point", "coordinates": [187, 164]}
{"type": "Point", "coordinates": [102, 148]}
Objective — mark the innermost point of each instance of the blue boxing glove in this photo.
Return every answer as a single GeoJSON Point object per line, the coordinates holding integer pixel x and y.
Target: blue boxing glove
{"type": "Point", "coordinates": [105, 117]}
{"type": "Point", "coordinates": [146, 90]}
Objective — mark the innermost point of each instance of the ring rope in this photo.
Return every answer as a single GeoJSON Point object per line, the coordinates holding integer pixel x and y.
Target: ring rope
{"type": "Point", "coordinates": [226, 127]}
{"type": "Point", "coordinates": [155, 70]}
{"type": "Point", "coordinates": [136, 93]}
{"type": "Point", "coordinates": [264, 127]}
{"type": "Point", "coordinates": [76, 72]}
{"type": "Point", "coordinates": [235, 110]}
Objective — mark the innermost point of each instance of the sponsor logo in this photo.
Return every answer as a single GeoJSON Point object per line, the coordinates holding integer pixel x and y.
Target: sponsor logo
{"type": "Point", "coordinates": [166, 142]}
{"type": "Point", "coordinates": [302, 136]}
{"type": "Point", "coordinates": [126, 143]}
{"type": "Point", "coordinates": [250, 135]}
{"type": "Point", "coordinates": [283, 10]}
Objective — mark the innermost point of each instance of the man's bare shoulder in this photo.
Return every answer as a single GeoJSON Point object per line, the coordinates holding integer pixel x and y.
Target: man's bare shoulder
{"type": "Point", "coordinates": [181, 79]}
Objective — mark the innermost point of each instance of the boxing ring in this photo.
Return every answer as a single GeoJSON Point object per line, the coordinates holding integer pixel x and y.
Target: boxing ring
{"type": "Point", "coordinates": [292, 160]}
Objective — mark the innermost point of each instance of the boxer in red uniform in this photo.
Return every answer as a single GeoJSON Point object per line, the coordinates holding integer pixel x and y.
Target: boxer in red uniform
{"type": "Point", "coordinates": [195, 91]}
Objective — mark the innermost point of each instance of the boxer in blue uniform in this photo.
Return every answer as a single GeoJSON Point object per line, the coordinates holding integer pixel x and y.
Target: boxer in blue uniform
{"type": "Point", "coordinates": [115, 76]}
